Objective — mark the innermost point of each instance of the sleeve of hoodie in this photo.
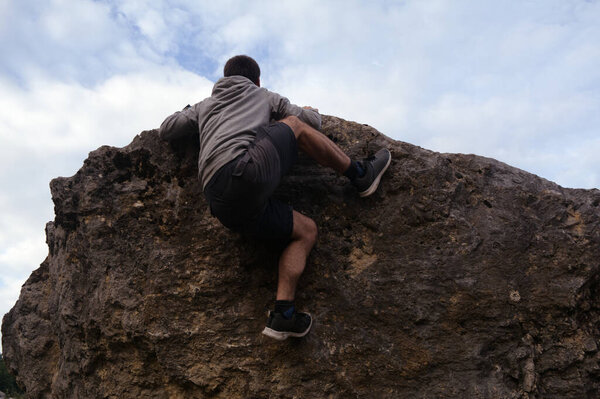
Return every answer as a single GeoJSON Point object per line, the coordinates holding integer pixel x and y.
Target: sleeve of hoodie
{"type": "Point", "coordinates": [181, 124]}
{"type": "Point", "coordinates": [282, 107]}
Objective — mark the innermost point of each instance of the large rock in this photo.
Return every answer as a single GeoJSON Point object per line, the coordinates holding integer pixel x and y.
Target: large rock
{"type": "Point", "coordinates": [462, 277]}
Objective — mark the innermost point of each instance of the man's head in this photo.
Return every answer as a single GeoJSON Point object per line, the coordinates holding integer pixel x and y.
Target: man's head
{"type": "Point", "coordinates": [244, 66]}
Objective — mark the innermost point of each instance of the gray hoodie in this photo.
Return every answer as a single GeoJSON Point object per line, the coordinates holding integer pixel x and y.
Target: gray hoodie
{"type": "Point", "coordinates": [227, 121]}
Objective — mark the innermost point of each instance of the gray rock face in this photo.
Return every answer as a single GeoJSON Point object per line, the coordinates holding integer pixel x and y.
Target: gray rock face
{"type": "Point", "coordinates": [462, 277]}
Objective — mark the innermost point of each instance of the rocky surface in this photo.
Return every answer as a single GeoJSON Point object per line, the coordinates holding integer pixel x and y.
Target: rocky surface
{"type": "Point", "coordinates": [462, 277]}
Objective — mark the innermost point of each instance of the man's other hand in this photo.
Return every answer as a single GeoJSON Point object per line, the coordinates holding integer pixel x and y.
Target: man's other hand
{"type": "Point", "coordinates": [311, 108]}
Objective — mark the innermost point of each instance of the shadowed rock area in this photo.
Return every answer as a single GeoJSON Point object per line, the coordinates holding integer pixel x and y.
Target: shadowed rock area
{"type": "Point", "coordinates": [462, 277]}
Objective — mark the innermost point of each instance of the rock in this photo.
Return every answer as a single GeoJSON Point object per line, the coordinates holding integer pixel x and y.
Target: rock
{"type": "Point", "coordinates": [461, 277]}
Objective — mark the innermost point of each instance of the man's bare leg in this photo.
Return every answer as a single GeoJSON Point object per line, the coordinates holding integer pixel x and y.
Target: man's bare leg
{"type": "Point", "coordinates": [304, 234]}
{"type": "Point", "coordinates": [318, 146]}
{"type": "Point", "coordinates": [285, 322]}
{"type": "Point", "coordinates": [365, 177]}
{"type": "Point", "coordinates": [293, 258]}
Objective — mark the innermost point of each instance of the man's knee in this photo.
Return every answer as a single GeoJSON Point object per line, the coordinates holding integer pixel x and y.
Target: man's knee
{"type": "Point", "coordinates": [305, 229]}
{"type": "Point", "coordinates": [295, 124]}
{"type": "Point", "coordinates": [310, 231]}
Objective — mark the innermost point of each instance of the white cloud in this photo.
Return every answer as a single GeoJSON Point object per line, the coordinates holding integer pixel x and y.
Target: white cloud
{"type": "Point", "coordinates": [10, 288]}
{"type": "Point", "coordinates": [26, 253]}
{"type": "Point", "coordinates": [74, 41]}
{"type": "Point", "coordinates": [20, 252]}
{"type": "Point", "coordinates": [580, 164]}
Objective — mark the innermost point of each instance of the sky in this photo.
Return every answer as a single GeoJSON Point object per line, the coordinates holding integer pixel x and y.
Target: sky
{"type": "Point", "coordinates": [514, 80]}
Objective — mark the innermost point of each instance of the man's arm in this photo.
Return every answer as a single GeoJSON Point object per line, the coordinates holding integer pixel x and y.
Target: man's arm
{"type": "Point", "coordinates": [179, 125]}
{"type": "Point", "coordinates": [284, 108]}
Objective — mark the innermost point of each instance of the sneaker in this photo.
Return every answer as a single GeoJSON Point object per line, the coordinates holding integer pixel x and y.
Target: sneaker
{"type": "Point", "coordinates": [374, 167]}
{"type": "Point", "coordinates": [280, 328]}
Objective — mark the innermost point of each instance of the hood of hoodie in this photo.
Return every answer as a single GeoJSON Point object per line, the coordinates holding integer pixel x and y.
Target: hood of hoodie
{"type": "Point", "coordinates": [232, 86]}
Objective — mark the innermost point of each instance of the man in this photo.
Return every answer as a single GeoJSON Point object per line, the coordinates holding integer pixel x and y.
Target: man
{"type": "Point", "coordinates": [249, 139]}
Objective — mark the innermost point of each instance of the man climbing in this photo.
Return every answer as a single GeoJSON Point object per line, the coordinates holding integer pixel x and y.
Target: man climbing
{"type": "Point", "coordinates": [249, 139]}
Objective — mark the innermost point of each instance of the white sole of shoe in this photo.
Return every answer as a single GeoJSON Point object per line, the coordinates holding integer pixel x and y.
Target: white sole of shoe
{"type": "Point", "coordinates": [373, 187]}
{"type": "Point", "coordinates": [282, 335]}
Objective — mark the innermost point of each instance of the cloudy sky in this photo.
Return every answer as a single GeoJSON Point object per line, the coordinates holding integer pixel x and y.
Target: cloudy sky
{"type": "Point", "coordinates": [516, 80]}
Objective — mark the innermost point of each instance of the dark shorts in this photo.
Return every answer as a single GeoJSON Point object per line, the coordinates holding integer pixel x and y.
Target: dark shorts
{"type": "Point", "coordinates": [239, 194]}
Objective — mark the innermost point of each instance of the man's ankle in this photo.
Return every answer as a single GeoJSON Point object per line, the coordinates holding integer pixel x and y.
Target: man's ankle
{"type": "Point", "coordinates": [286, 308]}
{"type": "Point", "coordinates": [354, 170]}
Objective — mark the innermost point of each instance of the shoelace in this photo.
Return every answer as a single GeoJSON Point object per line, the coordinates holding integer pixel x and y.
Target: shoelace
{"type": "Point", "coordinates": [368, 159]}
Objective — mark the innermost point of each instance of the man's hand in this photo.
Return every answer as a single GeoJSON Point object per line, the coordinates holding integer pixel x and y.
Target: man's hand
{"type": "Point", "coordinates": [311, 108]}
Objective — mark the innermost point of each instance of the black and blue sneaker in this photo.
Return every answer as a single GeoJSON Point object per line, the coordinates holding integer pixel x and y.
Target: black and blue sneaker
{"type": "Point", "coordinates": [374, 167]}
{"type": "Point", "coordinates": [280, 328]}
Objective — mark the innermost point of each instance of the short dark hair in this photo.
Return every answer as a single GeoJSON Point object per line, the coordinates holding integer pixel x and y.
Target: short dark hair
{"type": "Point", "coordinates": [244, 66]}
